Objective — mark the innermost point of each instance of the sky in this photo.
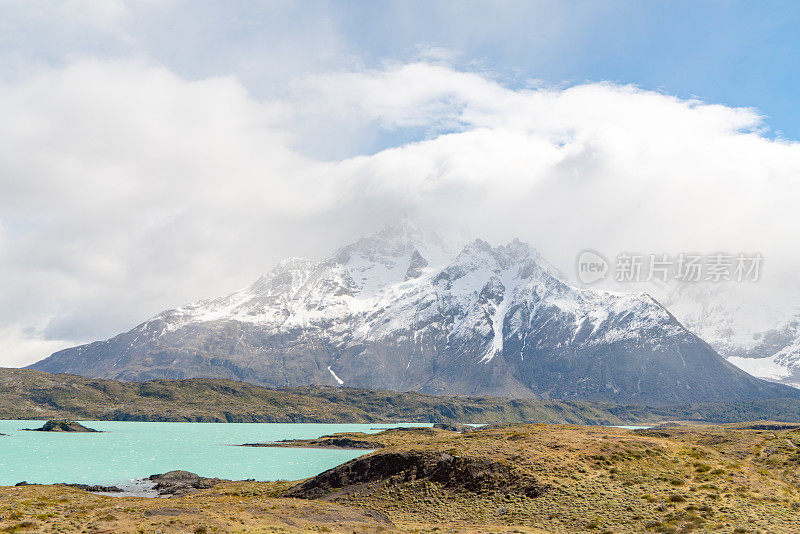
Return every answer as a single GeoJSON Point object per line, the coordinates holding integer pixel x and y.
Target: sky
{"type": "Point", "coordinates": [154, 153]}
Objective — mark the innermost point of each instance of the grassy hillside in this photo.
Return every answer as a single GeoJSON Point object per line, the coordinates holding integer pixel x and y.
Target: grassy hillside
{"type": "Point", "coordinates": [576, 479]}
{"type": "Point", "coordinates": [28, 394]}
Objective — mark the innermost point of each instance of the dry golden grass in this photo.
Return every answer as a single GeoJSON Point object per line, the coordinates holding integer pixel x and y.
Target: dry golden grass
{"type": "Point", "coordinates": [230, 507]}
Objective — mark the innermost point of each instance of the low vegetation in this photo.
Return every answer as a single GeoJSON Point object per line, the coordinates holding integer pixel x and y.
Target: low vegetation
{"type": "Point", "coordinates": [28, 394]}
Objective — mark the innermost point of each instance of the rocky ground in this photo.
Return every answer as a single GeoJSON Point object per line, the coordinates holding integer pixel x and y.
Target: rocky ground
{"type": "Point", "coordinates": [523, 479]}
{"type": "Point", "coordinates": [177, 483]}
{"type": "Point", "coordinates": [97, 488]}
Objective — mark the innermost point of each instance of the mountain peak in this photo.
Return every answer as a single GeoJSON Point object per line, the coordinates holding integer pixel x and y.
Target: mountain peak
{"type": "Point", "coordinates": [395, 243]}
{"type": "Point", "coordinates": [403, 229]}
{"type": "Point", "coordinates": [514, 255]}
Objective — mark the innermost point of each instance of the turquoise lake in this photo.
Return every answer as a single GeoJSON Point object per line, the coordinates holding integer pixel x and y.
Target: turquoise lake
{"type": "Point", "coordinates": [129, 450]}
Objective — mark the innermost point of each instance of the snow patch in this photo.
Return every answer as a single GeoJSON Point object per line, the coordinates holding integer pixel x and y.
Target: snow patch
{"type": "Point", "coordinates": [339, 380]}
{"type": "Point", "coordinates": [767, 367]}
{"type": "Point", "coordinates": [499, 317]}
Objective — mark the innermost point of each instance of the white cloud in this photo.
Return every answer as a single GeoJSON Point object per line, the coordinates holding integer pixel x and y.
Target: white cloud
{"type": "Point", "coordinates": [655, 171]}
{"type": "Point", "coordinates": [126, 189]}
{"type": "Point", "coordinates": [20, 346]}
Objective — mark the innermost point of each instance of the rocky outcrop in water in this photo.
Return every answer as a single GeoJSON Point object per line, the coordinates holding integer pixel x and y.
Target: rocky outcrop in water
{"type": "Point", "coordinates": [62, 426]}
{"type": "Point", "coordinates": [325, 442]}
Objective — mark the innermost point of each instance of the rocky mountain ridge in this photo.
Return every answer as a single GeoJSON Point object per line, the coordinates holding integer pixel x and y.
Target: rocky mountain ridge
{"type": "Point", "coordinates": [401, 310]}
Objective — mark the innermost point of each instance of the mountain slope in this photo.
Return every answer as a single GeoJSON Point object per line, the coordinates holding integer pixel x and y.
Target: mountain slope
{"type": "Point", "coordinates": [400, 311]}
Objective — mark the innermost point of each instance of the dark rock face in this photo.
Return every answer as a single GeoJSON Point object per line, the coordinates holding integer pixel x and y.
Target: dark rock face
{"type": "Point", "coordinates": [62, 426]}
{"type": "Point", "coordinates": [382, 314]}
{"type": "Point", "coordinates": [178, 483]}
{"type": "Point", "coordinates": [416, 265]}
{"type": "Point", "coordinates": [452, 472]}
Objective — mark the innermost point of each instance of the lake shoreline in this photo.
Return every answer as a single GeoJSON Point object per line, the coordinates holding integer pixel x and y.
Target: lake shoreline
{"type": "Point", "coordinates": [136, 450]}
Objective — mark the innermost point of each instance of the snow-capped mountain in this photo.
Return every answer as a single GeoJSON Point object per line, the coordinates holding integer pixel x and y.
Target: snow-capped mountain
{"type": "Point", "coordinates": [760, 338]}
{"type": "Point", "coordinates": [401, 310]}
{"type": "Point", "coordinates": [775, 355]}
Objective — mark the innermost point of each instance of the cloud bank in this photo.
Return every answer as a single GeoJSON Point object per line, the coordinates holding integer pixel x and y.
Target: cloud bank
{"type": "Point", "coordinates": [126, 188]}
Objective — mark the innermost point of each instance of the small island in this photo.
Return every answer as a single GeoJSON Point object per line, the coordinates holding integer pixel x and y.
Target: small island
{"type": "Point", "coordinates": [337, 441]}
{"type": "Point", "coordinates": [62, 426]}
